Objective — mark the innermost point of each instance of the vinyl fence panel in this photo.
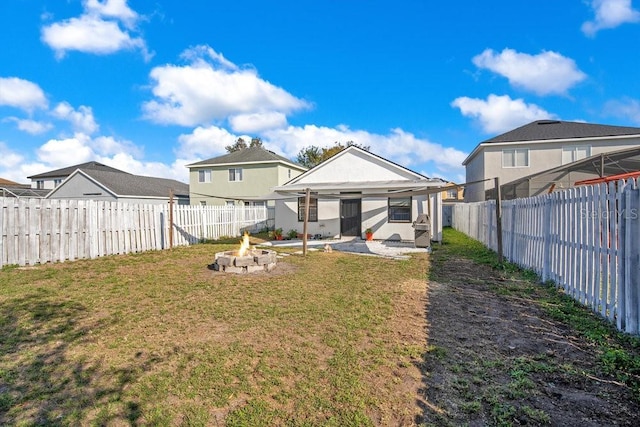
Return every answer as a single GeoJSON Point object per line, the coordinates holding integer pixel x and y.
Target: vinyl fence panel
{"type": "Point", "coordinates": [585, 239]}
{"type": "Point", "coordinates": [37, 231]}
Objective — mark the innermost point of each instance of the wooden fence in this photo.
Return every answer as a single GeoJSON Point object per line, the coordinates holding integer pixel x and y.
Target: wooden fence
{"type": "Point", "coordinates": [37, 231]}
{"type": "Point", "coordinates": [585, 239]}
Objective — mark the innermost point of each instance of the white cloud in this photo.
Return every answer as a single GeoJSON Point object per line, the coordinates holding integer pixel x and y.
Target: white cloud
{"type": "Point", "coordinates": [22, 94]}
{"type": "Point", "coordinates": [210, 88]}
{"type": "Point", "coordinates": [610, 14]}
{"type": "Point", "coordinates": [113, 9]}
{"type": "Point", "coordinates": [9, 159]}
{"type": "Point", "coordinates": [627, 108]}
{"type": "Point", "coordinates": [32, 127]}
{"type": "Point", "coordinates": [59, 153]}
{"type": "Point", "coordinates": [499, 114]}
{"type": "Point", "coordinates": [257, 122]}
{"type": "Point", "coordinates": [204, 143]}
{"type": "Point", "coordinates": [97, 31]}
{"type": "Point", "coordinates": [89, 34]}
{"type": "Point", "coordinates": [81, 119]}
{"type": "Point", "coordinates": [398, 146]}
{"type": "Point", "coordinates": [544, 74]}
{"type": "Point", "coordinates": [128, 163]}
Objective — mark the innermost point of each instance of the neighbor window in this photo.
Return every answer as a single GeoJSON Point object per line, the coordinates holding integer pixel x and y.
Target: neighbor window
{"type": "Point", "coordinates": [40, 185]}
{"type": "Point", "coordinates": [204, 176]}
{"type": "Point", "coordinates": [203, 203]}
{"type": "Point", "coordinates": [515, 158]}
{"type": "Point", "coordinates": [400, 209]}
{"type": "Point", "coordinates": [57, 182]}
{"type": "Point", "coordinates": [452, 194]}
{"type": "Point", "coordinates": [235, 174]}
{"type": "Point", "coordinates": [313, 209]}
{"type": "Point", "coordinates": [574, 153]}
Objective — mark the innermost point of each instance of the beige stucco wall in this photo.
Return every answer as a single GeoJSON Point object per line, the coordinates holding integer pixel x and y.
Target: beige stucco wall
{"type": "Point", "coordinates": [542, 156]}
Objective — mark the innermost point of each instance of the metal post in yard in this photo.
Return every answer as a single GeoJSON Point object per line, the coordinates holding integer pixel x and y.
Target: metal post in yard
{"type": "Point", "coordinates": [307, 200]}
{"type": "Point", "coordinates": [499, 220]}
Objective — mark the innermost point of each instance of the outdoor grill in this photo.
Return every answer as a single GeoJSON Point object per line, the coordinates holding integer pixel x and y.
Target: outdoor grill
{"type": "Point", "coordinates": [422, 229]}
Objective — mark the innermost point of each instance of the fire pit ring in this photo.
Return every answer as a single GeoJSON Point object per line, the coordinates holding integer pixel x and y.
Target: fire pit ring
{"type": "Point", "coordinates": [254, 260]}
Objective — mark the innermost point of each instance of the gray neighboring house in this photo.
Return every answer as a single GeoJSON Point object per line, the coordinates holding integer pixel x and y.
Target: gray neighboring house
{"type": "Point", "coordinates": [240, 177]}
{"type": "Point", "coordinates": [537, 147]}
{"type": "Point", "coordinates": [95, 184]}
{"type": "Point", "coordinates": [51, 179]}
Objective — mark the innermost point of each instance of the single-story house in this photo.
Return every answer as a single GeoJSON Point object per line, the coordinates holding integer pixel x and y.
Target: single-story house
{"type": "Point", "coordinates": [93, 184]}
{"type": "Point", "coordinates": [356, 190]}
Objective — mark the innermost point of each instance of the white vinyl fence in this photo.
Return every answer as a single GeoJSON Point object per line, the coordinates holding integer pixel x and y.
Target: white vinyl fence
{"type": "Point", "coordinates": [585, 239]}
{"type": "Point", "coordinates": [36, 231]}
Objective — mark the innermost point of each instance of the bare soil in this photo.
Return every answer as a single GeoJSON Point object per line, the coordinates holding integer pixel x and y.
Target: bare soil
{"type": "Point", "coordinates": [496, 358]}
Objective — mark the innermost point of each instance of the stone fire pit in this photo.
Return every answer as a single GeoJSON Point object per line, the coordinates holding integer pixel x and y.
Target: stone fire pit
{"type": "Point", "coordinates": [254, 260]}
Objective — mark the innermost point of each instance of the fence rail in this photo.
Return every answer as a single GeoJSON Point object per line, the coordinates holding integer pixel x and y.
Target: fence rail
{"type": "Point", "coordinates": [37, 231]}
{"type": "Point", "coordinates": [585, 239]}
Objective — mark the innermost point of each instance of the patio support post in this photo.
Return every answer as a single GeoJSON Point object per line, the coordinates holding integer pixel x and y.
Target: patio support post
{"type": "Point", "coordinates": [307, 200]}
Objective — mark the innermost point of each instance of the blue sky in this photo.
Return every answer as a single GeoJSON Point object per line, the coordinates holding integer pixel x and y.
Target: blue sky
{"type": "Point", "coordinates": [150, 86]}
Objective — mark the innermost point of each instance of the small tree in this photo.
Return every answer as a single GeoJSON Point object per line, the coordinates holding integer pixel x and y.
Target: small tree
{"type": "Point", "coordinates": [241, 144]}
{"type": "Point", "coordinates": [313, 156]}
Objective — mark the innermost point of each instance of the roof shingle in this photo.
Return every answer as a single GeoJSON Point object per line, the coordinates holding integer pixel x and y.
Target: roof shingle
{"type": "Point", "coordinates": [557, 129]}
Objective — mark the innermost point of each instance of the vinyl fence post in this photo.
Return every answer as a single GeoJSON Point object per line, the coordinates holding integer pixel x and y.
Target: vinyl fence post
{"type": "Point", "coordinates": [499, 220]}
{"type": "Point", "coordinates": [632, 261]}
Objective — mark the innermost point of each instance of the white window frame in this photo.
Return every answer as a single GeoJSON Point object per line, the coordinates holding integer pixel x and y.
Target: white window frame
{"type": "Point", "coordinates": [204, 176]}
{"type": "Point", "coordinates": [236, 174]}
{"type": "Point", "coordinates": [573, 150]}
{"type": "Point", "coordinates": [514, 152]}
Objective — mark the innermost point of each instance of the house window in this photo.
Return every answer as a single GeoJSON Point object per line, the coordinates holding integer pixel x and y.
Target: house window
{"type": "Point", "coordinates": [231, 203]}
{"type": "Point", "coordinates": [515, 158]}
{"type": "Point", "coordinates": [204, 176]}
{"type": "Point", "coordinates": [203, 203]}
{"type": "Point", "coordinates": [452, 194]}
{"type": "Point", "coordinates": [313, 209]}
{"type": "Point", "coordinates": [400, 209]}
{"type": "Point", "coordinates": [40, 185]}
{"type": "Point", "coordinates": [289, 173]}
{"type": "Point", "coordinates": [235, 174]}
{"type": "Point", "coordinates": [57, 182]}
{"type": "Point", "coordinates": [574, 153]}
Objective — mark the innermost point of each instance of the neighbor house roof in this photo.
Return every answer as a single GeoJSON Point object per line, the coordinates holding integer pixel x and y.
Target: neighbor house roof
{"type": "Point", "coordinates": [557, 130]}
{"type": "Point", "coordinates": [247, 155]}
{"type": "Point", "coordinates": [64, 172]}
{"type": "Point", "coordinates": [128, 185]}
{"type": "Point", "coordinates": [6, 182]}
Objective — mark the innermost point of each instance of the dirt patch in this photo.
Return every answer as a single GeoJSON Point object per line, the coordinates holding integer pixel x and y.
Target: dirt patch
{"type": "Point", "coordinates": [496, 357]}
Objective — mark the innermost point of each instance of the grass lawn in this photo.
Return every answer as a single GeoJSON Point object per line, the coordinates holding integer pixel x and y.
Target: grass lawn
{"type": "Point", "coordinates": [158, 339]}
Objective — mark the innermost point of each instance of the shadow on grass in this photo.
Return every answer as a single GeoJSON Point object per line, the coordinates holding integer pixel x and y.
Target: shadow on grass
{"type": "Point", "coordinates": [41, 381]}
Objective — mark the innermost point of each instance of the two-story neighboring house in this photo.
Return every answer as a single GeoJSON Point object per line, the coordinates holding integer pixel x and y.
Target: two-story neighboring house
{"type": "Point", "coordinates": [51, 179]}
{"type": "Point", "coordinates": [240, 177]}
{"type": "Point", "coordinates": [539, 146]}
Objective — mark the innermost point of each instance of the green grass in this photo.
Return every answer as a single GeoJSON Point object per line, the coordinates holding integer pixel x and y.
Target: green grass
{"type": "Point", "coordinates": [158, 339]}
